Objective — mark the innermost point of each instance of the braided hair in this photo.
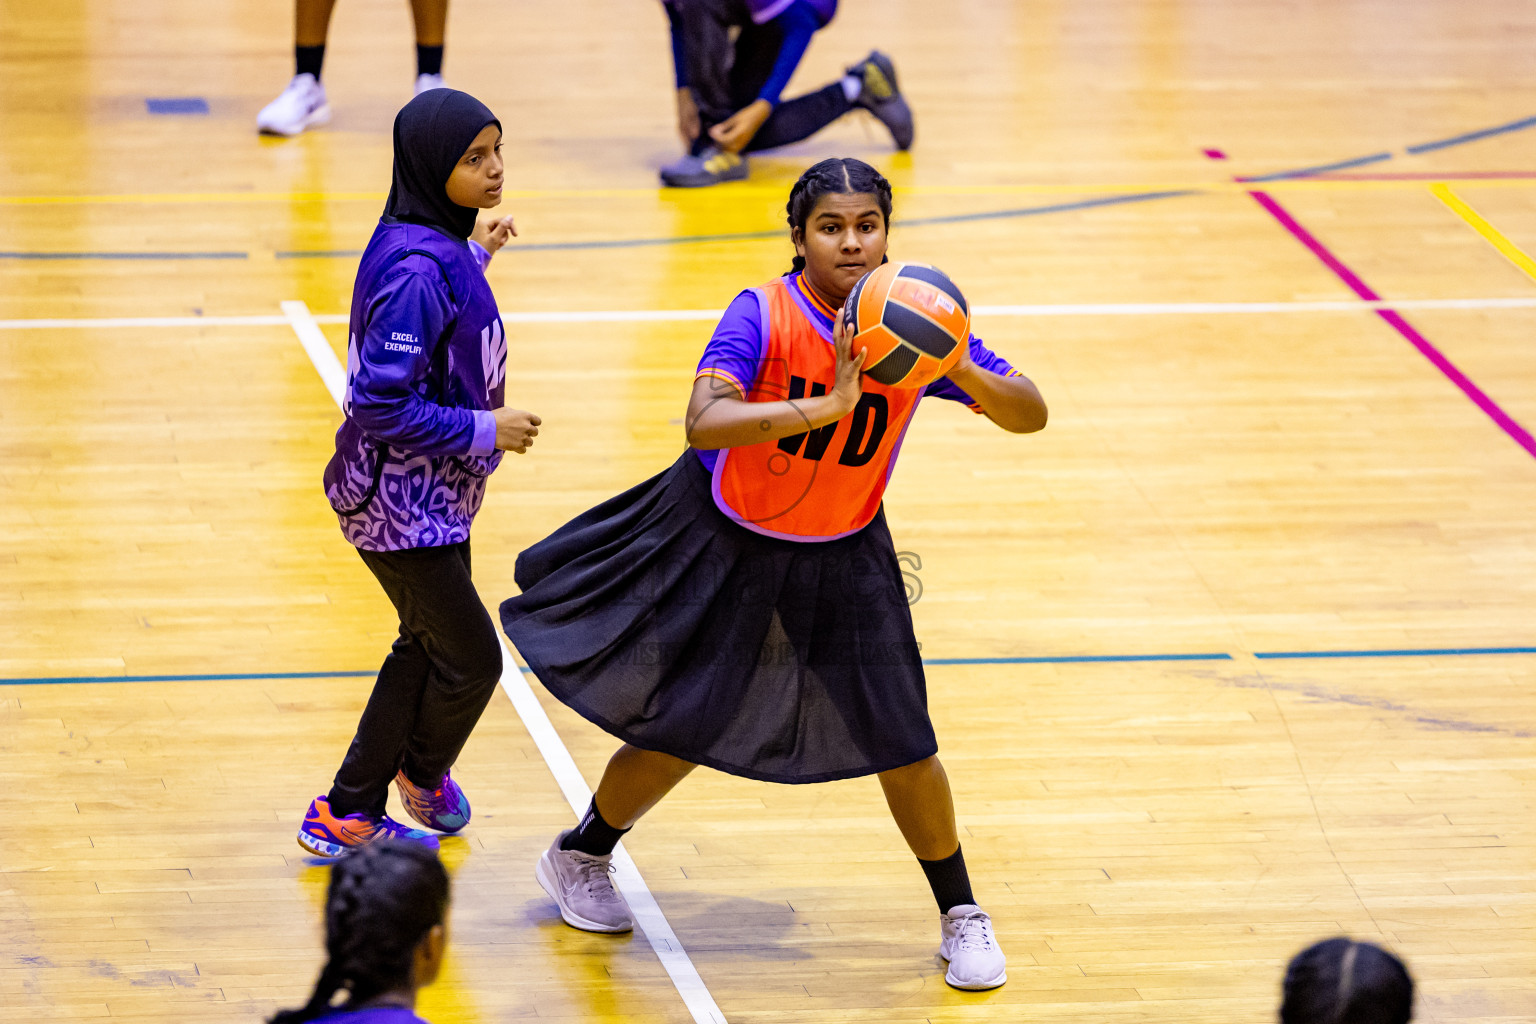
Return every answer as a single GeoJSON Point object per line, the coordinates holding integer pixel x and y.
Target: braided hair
{"type": "Point", "coordinates": [1340, 981]}
{"type": "Point", "coordinates": [834, 176]}
{"type": "Point", "coordinates": [382, 901]}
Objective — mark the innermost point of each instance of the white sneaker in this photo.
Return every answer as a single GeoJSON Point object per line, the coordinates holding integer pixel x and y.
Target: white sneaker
{"type": "Point", "coordinates": [976, 961]}
{"type": "Point", "coordinates": [300, 106]}
{"type": "Point", "coordinates": [425, 82]}
{"type": "Point", "coordinates": [579, 883]}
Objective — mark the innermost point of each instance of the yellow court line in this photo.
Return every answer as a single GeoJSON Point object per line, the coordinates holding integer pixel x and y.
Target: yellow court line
{"type": "Point", "coordinates": [773, 190]}
{"type": "Point", "coordinates": [1511, 251]}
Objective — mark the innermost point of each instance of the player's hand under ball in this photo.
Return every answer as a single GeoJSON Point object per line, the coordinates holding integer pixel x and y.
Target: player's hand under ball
{"type": "Point", "coordinates": [849, 386]}
{"type": "Point", "coordinates": [515, 429]}
{"type": "Point", "coordinates": [963, 366]}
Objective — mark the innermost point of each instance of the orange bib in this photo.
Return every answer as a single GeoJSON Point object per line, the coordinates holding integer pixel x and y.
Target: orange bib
{"type": "Point", "coordinates": [825, 483]}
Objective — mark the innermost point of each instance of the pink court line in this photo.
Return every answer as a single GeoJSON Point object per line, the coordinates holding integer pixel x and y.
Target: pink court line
{"type": "Point", "coordinates": [1507, 423]}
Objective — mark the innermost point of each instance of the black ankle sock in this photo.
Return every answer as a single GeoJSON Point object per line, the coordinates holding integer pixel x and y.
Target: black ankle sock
{"type": "Point", "coordinates": [949, 881]}
{"type": "Point", "coordinates": [429, 60]}
{"type": "Point", "coordinates": [596, 837]}
{"type": "Point", "coordinates": [309, 59]}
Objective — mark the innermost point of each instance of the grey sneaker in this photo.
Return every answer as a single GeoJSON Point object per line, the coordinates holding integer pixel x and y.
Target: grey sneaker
{"type": "Point", "coordinates": [976, 961]}
{"type": "Point", "coordinates": [579, 883]}
{"type": "Point", "coordinates": [710, 167]}
{"type": "Point", "coordinates": [881, 96]}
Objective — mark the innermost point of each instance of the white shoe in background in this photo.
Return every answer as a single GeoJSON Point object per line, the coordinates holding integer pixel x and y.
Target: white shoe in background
{"type": "Point", "coordinates": [302, 105]}
{"type": "Point", "coordinates": [976, 961]}
{"type": "Point", "coordinates": [425, 82]}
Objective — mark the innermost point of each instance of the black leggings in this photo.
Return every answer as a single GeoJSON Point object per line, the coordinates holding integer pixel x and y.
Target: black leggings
{"type": "Point", "coordinates": [434, 684]}
{"type": "Point", "coordinates": [726, 77]}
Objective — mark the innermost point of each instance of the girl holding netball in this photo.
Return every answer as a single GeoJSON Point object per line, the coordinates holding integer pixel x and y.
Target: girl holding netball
{"type": "Point", "coordinates": [745, 610]}
{"type": "Point", "coordinates": [386, 921]}
{"type": "Point", "coordinates": [425, 425]}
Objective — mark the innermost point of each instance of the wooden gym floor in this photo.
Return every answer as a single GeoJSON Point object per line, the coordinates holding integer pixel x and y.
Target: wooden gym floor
{"type": "Point", "coordinates": [1289, 441]}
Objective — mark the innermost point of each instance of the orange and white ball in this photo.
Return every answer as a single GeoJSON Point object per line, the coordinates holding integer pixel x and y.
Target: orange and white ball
{"type": "Point", "coordinates": [911, 319]}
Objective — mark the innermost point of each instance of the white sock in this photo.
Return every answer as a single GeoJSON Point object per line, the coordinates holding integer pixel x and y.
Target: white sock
{"type": "Point", "coordinates": [852, 86]}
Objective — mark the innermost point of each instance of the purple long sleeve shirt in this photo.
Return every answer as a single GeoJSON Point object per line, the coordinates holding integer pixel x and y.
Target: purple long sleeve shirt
{"type": "Point", "coordinates": [426, 364]}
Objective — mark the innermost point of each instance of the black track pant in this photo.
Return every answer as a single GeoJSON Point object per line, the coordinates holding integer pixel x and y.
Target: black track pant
{"type": "Point", "coordinates": [726, 76]}
{"type": "Point", "coordinates": [432, 688]}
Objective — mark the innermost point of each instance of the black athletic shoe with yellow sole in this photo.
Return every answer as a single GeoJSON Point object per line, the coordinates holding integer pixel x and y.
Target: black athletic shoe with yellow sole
{"type": "Point", "coordinates": [710, 167]}
{"type": "Point", "coordinates": [880, 95]}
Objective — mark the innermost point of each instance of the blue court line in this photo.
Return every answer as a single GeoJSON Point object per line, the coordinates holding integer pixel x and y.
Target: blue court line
{"type": "Point", "coordinates": [611, 243]}
{"type": "Point", "coordinates": [124, 255]}
{"type": "Point", "coordinates": [1424, 147]}
{"type": "Point", "coordinates": [961, 218]}
{"type": "Point", "coordinates": [1413, 652]}
{"type": "Point", "coordinates": [1308, 690]}
{"type": "Point", "coordinates": [235, 676]}
{"type": "Point", "coordinates": [209, 678]}
{"type": "Point", "coordinates": [1077, 659]}
{"type": "Point", "coordinates": [1456, 140]}
{"type": "Point", "coordinates": [1302, 172]}
{"type": "Point", "coordinates": [633, 243]}
{"type": "Point", "coordinates": [744, 236]}
{"type": "Point", "coordinates": [177, 105]}
{"type": "Point", "coordinates": [1066, 659]}
{"type": "Point", "coordinates": [319, 254]}
{"type": "Point", "coordinates": [629, 243]}
{"type": "Point", "coordinates": [1035, 211]}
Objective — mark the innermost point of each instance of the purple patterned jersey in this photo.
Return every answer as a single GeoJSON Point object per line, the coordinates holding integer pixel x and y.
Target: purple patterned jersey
{"type": "Point", "coordinates": [426, 362]}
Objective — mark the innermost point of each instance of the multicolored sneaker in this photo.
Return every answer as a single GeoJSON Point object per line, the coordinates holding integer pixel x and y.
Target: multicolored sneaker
{"type": "Point", "coordinates": [445, 808]}
{"type": "Point", "coordinates": [710, 167]}
{"type": "Point", "coordinates": [880, 95]}
{"type": "Point", "coordinates": [325, 835]}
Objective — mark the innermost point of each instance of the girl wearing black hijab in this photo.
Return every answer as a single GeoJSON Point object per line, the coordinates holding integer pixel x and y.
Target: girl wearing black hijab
{"type": "Point", "coordinates": [425, 425]}
{"type": "Point", "coordinates": [1341, 981]}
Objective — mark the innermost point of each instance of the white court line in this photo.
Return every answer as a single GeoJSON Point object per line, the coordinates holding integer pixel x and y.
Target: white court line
{"type": "Point", "coordinates": [674, 959]}
{"type": "Point", "coordinates": [146, 321]}
{"type": "Point", "coordinates": [298, 316]}
{"type": "Point", "coordinates": [626, 316]}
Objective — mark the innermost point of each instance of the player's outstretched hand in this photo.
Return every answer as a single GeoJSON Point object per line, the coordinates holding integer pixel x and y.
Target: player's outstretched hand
{"type": "Point", "coordinates": [848, 387]}
{"type": "Point", "coordinates": [515, 429]}
{"type": "Point", "coordinates": [493, 234]}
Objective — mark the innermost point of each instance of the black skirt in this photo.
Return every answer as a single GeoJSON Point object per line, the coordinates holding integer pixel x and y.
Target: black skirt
{"type": "Point", "coordinates": [659, 619]}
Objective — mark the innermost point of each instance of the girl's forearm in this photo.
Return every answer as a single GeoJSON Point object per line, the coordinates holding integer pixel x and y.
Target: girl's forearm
{"type": "Point", "coordinates": [1013, 403]}
{"type": "Point", "coordinates": [733, 422]}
